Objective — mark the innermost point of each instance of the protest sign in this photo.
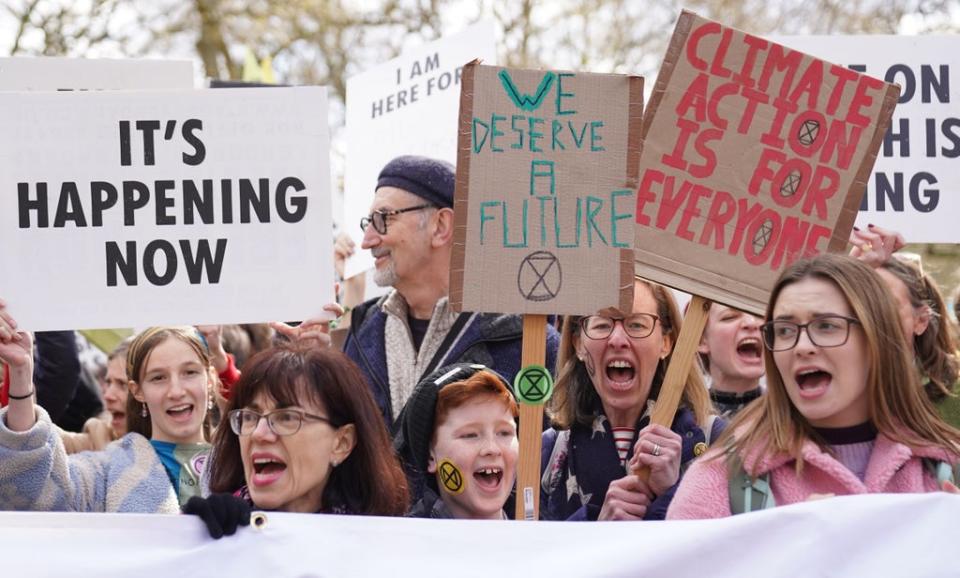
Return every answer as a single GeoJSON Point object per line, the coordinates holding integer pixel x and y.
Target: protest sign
{"type": "Point", "coordinates": [754, 155]}
{"type": "Point", "coordinates": [546, 174]}
{"type": "Point", "coordinates": [546, 171]}
{"type": "Point", "coordinates": [851, 536]}
{"type": "Point", "coordinates": [140, 208]}
{"type": "Point", "coordinates": [915, 184]}
{"type": "Point", "coordinates": [406, 106]}
{"type": "Point", "coordinates": [57, 73]}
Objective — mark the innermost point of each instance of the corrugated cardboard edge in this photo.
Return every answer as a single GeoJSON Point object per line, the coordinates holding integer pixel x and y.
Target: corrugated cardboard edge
{"type": "Point", "coordinates": [663, 273]}
{"type": "Point", "coordinates": [670, 59]}
{"type": "Point", "coordinates": [848, 215]}
{"type": "Point", "coordinates": [461, 194]}
{"type": "Point", "coordinates": [634, 149]}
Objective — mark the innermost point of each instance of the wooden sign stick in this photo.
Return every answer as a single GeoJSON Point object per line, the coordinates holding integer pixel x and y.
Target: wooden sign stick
{"type": "Point", "coordinates": [531, 423]}
{"type": "Point", "coordinates": [681, 362]}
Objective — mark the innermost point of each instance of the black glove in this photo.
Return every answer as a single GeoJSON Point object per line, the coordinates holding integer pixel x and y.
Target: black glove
{"type": "Point", "coordinates": [222, 513]}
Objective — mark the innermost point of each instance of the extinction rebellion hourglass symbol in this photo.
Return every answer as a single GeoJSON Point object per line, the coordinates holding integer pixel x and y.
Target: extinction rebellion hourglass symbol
{"type": "Point", "coordinates": [539, 277]}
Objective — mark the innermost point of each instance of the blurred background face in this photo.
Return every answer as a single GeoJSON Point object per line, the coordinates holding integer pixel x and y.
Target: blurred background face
{"type": "Point", "coordinates": [115, 394]}
{"type": "Point", "coordinates": [480, 438]}
{"type": "Point", "coordinates": [828, 385]}
{"type": "Point", "coordinates": [914, 321]}
{"type": "Point", "coordinates": [732, 341]}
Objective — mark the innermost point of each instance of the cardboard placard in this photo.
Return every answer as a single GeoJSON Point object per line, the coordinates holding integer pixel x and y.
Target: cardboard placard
{"type": "Point", "coordinates": [754, 155]}
{"type": "Point", "coordinates": [546, 176]}
{"type": "Point", "coordinates": [915, 185]}
{"type": "Point", "coordinates": [164, 207]}
{"type": "Point", "coordinates": [405, 106]}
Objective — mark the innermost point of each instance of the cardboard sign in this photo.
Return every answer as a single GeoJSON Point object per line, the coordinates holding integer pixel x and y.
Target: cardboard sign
{"type": "Point", "coordinates": [57, 73]}
{"type": "Point", "coordinates": [546, 174]}
{"type": "Point", "coordinates": [406, 106]}
{"type": "Point", "coordinates": [915, 185]}
{"type": "Point", "coordinates": [137, 208]}
{"type": "Point", "coordinates": [754, 155]}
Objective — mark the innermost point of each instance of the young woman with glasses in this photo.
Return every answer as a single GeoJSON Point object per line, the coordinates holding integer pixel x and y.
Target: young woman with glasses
{"type": "Point", "coordinates": [610, 369]}
{"type": "Point", "coordinates": [843, 413]}
{"type": "Point", "coordinates": [302, 434]}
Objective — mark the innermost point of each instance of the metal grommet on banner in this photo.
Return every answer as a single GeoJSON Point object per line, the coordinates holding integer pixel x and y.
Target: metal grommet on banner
{"type": "Point", "coordinates": [258, 520]}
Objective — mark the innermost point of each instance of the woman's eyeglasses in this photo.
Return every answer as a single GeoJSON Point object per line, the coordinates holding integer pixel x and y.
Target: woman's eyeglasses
{"type": "Point", "coordinates": [823, 331]}
{"type": "Point", "coordinates": [283, 422]}
{"type": "Point", "coordinates": [637, 325]}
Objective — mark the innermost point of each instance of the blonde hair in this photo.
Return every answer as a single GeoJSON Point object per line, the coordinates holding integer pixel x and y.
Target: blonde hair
{"type": "Point", "coordinates": [898, 408]}
{"type": "Point", "coordinates": [575, 400]}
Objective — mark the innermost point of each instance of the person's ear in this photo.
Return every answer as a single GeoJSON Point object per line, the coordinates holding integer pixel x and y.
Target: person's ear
{"type": "Point", "coordinates": [443, 228]}
{"type": "Point", "coordinates": [134, 389]}
{"type": "Point", "coordinates": [666, 345]}
{"type": "Point", "coordinates": [432, 462]}
{"type": "Point", "coordinates": [577, 342]}
{"type": "Point", "coordinates": [344, 442]}
{"type": "Point", "coordinates": [921, 320]}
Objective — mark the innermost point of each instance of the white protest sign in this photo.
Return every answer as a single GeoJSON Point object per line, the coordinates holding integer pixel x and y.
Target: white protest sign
{"type": "Point", "coordinates": [852, 536]}
{"type": "Point", "coordinates": [58, 73]}
{"type": "Point", "coordinates": [409, 105]}
{"type": "Point", "coordinates": [122, 209]}
{"type": "Point", "coordinates": [915, 184]}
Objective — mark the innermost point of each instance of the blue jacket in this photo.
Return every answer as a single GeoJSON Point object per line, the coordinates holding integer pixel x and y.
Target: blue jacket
{"type": "Point", "coordinates": [577, 470]}
{"type": "Point", "coordinates": [489, 339]}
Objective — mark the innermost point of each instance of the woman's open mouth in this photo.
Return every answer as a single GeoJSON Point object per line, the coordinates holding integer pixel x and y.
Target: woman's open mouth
{"type": "Point", "coordinates": [181, 413]}
{"type": "Point", "coordinates": [620, 373]}
{"type": "Point", "coordinates": [267, 470]}
{"type": "Point", "coordinates": [813, 382]}
{"type": "Point", "coordinates": [749, 350]}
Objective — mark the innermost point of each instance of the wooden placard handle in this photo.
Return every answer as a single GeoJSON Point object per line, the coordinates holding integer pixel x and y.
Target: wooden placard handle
{"type": "Point", "coordinates": [531, 423]}
{"type": "Point", "coordinates": [681, 362]}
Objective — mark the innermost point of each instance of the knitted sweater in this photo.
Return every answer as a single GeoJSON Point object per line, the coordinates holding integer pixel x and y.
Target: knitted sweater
{"type": "Point", "coordinates": [38, 475]}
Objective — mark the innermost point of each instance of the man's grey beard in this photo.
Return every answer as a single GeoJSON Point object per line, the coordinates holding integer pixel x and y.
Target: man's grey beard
{"type": "Point", "coordinates": [387, 276]}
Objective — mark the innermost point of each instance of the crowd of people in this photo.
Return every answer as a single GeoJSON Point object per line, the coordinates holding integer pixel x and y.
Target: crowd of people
{"type": "Point", "coordinates": [847, 385]}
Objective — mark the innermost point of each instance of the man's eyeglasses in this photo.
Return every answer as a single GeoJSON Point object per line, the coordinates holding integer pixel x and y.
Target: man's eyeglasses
{"type": "Point", "coordinates": [637, 326]}
{"type": "Point", "coordinates": [283, 422]}
{"type": "Point", "coordinates": [379, 218]}
{"type": "Point", "coordinates": [823, 331]}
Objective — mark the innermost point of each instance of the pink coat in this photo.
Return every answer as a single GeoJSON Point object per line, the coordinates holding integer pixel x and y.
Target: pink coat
{"type": "Point", "coordinates": [704, 491]}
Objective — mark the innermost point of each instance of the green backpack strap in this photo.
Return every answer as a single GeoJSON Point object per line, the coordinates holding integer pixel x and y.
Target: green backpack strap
{"type": "Point", "coordinates": [942, 471]}
{"type": "Point", "coordinates": [747, 494]}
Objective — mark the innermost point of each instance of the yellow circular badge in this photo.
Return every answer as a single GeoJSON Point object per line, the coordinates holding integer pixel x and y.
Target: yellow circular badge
{"type": "Point", "coordinates": [699, 449]}
{"type": "Point", "coordinates": [451, 478]}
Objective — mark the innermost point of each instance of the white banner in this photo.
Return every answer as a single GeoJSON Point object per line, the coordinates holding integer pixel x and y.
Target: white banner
{"type": "Point", "coordinates": [122, 209]}
{"type": "Point", "coordinates": [58, 73]}
{"type": "Point", "coordinates": [915, 185]}
{"type": "Point", "coordinates": [407, 106]}
{"type": "Point", "coordinates": [869, 536]}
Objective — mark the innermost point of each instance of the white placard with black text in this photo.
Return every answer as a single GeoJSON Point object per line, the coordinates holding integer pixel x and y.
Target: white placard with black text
{"type": "Point", "coordinates": [915, 184]}
{"type": "Point", "coordinates": [408, 105]}
{"type": "Point", "coordinates": [123, 209]}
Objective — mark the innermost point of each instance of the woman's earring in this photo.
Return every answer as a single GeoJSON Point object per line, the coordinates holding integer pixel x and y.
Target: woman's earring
{"type": "Point", "coordinates": [143, 410]}
{"type": "Point", "coordinates": [334, 463]}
